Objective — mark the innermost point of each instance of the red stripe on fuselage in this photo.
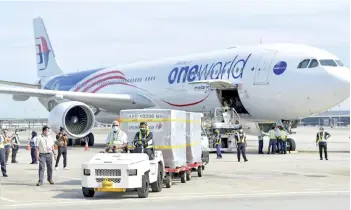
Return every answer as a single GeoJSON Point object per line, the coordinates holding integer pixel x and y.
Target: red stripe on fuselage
{"type": "Point", "coordinates": [97, 76]}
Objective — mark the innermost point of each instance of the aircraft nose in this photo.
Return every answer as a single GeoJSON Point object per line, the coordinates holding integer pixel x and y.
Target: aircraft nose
{"type": "Point", "coordinates": [326, 89]}
{"type": "Point", "coordinates": [339, 83]}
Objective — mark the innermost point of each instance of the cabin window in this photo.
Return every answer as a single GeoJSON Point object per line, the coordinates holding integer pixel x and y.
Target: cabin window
{"type": "Point", "coordinates": [339, 62]}
{"type": "Point", "coordinates": [328, 62]}
{"type": "Point", "coordinates": [303, 64]}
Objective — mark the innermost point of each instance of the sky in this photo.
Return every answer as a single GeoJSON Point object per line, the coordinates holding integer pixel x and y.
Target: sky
{"type": "Point", "coordinates": [87, 35]}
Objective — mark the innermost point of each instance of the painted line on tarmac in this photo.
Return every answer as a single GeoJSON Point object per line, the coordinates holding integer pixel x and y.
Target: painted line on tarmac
{"type": "Point", "coordinates": [68, 177]}
{"type": "Point", "coordinates": [173, 198]}
{"type": "Point", "coordinates": [6, 199]}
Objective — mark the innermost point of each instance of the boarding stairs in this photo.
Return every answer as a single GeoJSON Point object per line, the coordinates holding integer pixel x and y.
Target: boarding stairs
{"type": "Point", "coordinates": [221, 118]}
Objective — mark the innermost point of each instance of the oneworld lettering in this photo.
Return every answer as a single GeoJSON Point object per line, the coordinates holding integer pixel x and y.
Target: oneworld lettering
{"type": "Point", "coordinates": [216, 70]}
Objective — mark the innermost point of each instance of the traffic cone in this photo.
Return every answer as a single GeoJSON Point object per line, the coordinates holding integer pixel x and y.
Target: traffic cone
{"type": "Point", "coordinates": [86, 146]}
{"type": "Point", "coordinates": [28, 146]}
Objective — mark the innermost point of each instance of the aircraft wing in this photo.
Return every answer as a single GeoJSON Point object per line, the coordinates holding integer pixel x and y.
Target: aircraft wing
{"type": "Point", "coordinates": [218, 84]}
{"type": "Point", "coordinates": [95, 99]}
{"type": "Point", "coordinates": [19, 84]}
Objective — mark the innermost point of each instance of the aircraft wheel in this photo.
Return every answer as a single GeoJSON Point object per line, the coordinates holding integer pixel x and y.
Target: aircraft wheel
{"type": "Point", "coordinates": [291, 144]}
{"type": "Point", "coordinates": [91, 139]}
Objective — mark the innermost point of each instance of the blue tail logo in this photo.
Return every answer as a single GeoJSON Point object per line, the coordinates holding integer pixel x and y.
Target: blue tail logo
{"type": "Point", "coordinates": [43, 53]}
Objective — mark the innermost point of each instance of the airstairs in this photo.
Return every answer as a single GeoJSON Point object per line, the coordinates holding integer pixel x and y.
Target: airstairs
{"type": "Point", "coordinates": [226, 121]}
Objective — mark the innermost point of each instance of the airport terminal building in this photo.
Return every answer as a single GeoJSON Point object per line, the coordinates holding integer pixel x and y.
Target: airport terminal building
{"type": "Point", "coordinates": [330, 118]}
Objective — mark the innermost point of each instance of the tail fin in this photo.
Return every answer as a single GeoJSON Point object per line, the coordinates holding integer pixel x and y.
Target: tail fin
{"type": "Point", "coordinates": [46, 63]}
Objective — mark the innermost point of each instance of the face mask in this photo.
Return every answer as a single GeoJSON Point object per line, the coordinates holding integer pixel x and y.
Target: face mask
{"type": "Point", "coordinates": [142, 129]}
{"type": "Point", "coordinates": [115, 128]}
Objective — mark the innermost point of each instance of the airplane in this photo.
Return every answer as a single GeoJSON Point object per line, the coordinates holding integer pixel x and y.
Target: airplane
{"type": "Point", "coordinates": [268, 82]}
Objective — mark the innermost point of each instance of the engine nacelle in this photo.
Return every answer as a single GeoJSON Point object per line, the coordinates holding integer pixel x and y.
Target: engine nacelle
{"type": "Point", "coordinates": [76, 118]}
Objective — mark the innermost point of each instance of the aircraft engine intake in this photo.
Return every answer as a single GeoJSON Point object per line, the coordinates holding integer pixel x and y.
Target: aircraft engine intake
{"type": "Point", "coordinates": [75, 117]}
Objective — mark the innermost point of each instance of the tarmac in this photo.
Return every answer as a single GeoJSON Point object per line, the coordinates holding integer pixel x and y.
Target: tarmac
{"type": "Point", "coordinates": [292, 181]}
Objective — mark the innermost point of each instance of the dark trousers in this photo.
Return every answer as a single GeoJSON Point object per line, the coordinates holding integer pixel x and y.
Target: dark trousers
{"type": "Point", "coordinates": [241, 150]}
{"type": "Point", "coordinates": [33, 155]}
{"type": "Point", "coordinates": [272, 145]}
{"type": "Point", "coordinates": [323, 145]}
{"type": "Point", "coordinates": [2, 161]}
{"type": "Point", "coordinates": [282, 146]}
{"type": "Point", "coordinates": [14, 153]}
{"type": "Point", "coordinates": [260, 146]}
{"type": "Point", "coordinates": [279, 145]}
{"type": "Point", "coordinates": [7, 153]}
{"type": "Point", "coordinates": [219, 152]}
{"type": "Point", "coordinates": [62, 151]}
{"type": "Point", "coordinates": [45, 159]}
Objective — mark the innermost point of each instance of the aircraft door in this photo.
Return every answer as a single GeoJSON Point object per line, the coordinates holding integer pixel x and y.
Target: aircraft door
{"type": "Point", "coordinates": [263, 68]}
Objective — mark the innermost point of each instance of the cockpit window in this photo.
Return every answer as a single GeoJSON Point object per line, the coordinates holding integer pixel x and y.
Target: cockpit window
{"type": "Point", "coordinates": [314, 63]}
{"type": "Point", "coordinates": [339, 63]}
{"type": "Point", "coordinates": [303, 64]}
{"type": "Point", "coordinates": [327, 63]}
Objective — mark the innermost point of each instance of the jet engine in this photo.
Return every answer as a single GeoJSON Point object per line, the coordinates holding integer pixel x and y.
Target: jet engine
{"type": "Point", "coordinates": [76, 118]}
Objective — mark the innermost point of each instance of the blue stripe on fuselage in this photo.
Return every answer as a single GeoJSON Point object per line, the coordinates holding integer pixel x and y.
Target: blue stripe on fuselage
{"type": "Point", "coordinates": [68, 81]}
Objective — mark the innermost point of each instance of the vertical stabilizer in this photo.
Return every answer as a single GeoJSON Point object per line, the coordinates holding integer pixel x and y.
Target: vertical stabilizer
{"type": "Point", "coordinates": [46, 62]}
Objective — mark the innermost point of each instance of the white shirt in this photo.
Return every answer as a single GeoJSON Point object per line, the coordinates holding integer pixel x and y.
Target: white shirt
{"type": "Point", "coordinates": [277, 133]}
{"type": "Point", "coordinates": [119, 136]}
{"type": "Point", "coordinates": [44, 143]}
{"type": "Point", "coordinates": [34, 140]}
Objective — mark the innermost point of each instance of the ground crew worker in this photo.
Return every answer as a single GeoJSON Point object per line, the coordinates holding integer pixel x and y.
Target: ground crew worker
{"type": "Point", "coordinates": [44, 151]}
{"type": "Point", "coordinates": [218, 143]}
{"type": "Point", "coordinates": [32, 143]}
{"type": "Point", "coordinates": [143, 140]}
{"type": "Point", "coordinates": [225, 107]}
{"type": "Point", "coordinates": [15, 146]}
{"type": "Point", "coordinates": [272, 141]}
{"type": "Point", "coordinates": [278, 139]}
{"type": "Point", "coordinates": [2, 154]}
{"type": "Point", "coordinates": [7, 145]}
{"type": "Point", "coordinates": [321, 141]}
{"type": "Point", "coordinates": [61, 142]}
{"type": "Point", "coordinates": [283, 136]}
{"type": "Point", "coordinates": [116, 140]}
{"type": "Point", "coordinates": [240, 140]}
{"type": "Point", "coordinates": [261, 134]}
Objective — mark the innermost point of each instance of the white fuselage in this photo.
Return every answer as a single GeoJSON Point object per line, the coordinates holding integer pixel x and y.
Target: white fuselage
{"type": "Point", "coordinates": [270, 84]}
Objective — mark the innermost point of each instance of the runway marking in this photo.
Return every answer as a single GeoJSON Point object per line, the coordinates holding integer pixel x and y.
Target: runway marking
{"type": "Point", "coordinates": [6, 199]}
{"type": "Point", "coordinates": [173, 198]}
{"type": "Point", "coordinates": [68, 177]}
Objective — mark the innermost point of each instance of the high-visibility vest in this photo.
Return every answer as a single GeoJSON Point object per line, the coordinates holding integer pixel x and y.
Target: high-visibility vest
{"type": "Point", "coordinates": [283, 135]}
{"type": "Point", "coordinates": [115, 141]}
{"type": "Point", "coordinates": [140, 140]}
{"type": "Point", "coordinates": [8, 142]}
{"type": "Point", "coordinates": [218, 140]}
{"type": "Point", "coordinates": [321, 137]}
{"type": "Point", "coordinates": [272, 134]}
{"type": "Point", "coordinates": [240, 138]}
